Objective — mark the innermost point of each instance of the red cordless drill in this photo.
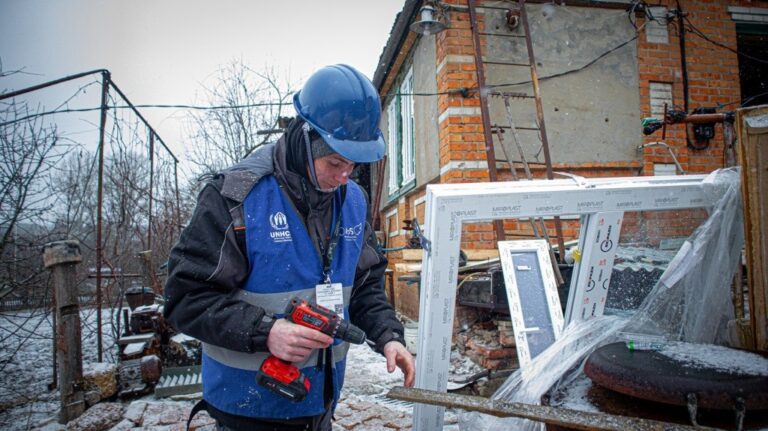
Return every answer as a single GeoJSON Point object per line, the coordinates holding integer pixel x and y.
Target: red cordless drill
{"type": "Point", "coordinates": [283, 377]}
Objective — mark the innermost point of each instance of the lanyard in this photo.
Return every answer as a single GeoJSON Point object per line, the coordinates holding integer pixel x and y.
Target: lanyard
{"type": "Point", "coordinates": [335, 233]}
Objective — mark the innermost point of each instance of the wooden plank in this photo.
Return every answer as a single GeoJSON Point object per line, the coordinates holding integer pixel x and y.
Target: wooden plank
{"type": "Point", "coordinates": [407, 267]}
{"type": "Point", "coordinates": [413, 254]}
{"type": "Point", "coordinates": [482, 254]}
{"type": "Point", "coordinates": [752, 125]}
{"type": "Point", "coordinates": [416, 254]}
{"type": "Point", "coordinates": [573, 419]}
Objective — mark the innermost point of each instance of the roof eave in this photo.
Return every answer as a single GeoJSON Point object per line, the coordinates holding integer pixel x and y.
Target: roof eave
{"type": "Point", "coordinates": [396, 39]}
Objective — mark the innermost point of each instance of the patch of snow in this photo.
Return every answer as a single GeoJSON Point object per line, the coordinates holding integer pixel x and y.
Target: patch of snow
{"type": "Point", "coordinates": [147, 308]}
{"type": "Point", "coordinates": [97, 367]}
{"type": "Point", "coordinates": [576, 397]}
{"type": "Point", "coordinates": [182, 338]}
{"type": "Point", "coordinates": [708, 356]}
{"type": "Point", "coordinates": [134, 348]}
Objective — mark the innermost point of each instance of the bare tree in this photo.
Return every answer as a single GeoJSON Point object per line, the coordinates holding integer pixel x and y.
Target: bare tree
{"type": "Point", "coordinates": [27, 153]}
{"type": "Point", "coordinates": [75, 190]}
{"type": "Point", "coordinates": [243, 102]}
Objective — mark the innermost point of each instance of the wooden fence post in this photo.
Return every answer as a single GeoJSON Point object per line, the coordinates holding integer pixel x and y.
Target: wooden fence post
{"type": "Point", "coordinates": [752, 127]}
{"type": "Point", "coordinates": [61, 258]}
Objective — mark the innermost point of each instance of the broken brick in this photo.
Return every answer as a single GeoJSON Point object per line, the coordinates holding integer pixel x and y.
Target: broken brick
{"type": "Point", "coordinates": [491, 364]}
{"type": "Point", "coordinates": [490, 351]}
{"type": "Point", "coordinates": [507, 338]}
{"type": "Point", "coordinates": [135, 411]}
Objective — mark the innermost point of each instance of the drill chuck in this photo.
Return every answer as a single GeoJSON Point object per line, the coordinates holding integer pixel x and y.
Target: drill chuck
{"type": "Point", "coordinates": [350, 333]}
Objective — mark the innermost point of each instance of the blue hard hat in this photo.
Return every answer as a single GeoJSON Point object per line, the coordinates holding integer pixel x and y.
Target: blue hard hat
{"type": "Point", "coordinates": [342, 105]}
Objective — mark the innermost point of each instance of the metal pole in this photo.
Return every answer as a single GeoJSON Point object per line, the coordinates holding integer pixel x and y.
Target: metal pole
{"type": "Point", "coordinates": [49, 84]}
{"type": "Point", "coordinates": [151, 185]}
{"type": "Point", "coordinates": [490, 153]}
{"type": "Point", "coordinates": [60, 258]}
{"type": "Point", "coordinates": [380, 169]}
{"type": "Point", "coordinates": [557, 416]}
{"type": "Point", "coordinates": [178, 201]}
{"type": "Point", "coordinates": [100, 210]}
{"type": "Point", "coordinates": [141, 117]}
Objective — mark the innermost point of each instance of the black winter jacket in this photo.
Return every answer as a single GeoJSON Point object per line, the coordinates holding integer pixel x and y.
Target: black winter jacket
{"type": "Point", "coordinates": [207, 265]}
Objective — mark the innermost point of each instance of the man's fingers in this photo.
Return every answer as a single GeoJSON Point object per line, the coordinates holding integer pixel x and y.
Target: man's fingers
{"type": "Point", "coordinates": [318, 338]}
{"type": "Point", "coordinates": [298, 354]}
{"type": "Point", "coordinates": [292, 342]}
{"type": "Point", "coordinates": [397, 355]}
{"type": "Point", "coordinates": [391, 361]}
{"type": "Point", "coordinates": [410, 373]}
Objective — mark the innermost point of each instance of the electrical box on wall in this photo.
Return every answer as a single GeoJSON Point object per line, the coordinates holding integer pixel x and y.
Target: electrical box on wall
{"type": "Point", "coordinates": [705, 131]}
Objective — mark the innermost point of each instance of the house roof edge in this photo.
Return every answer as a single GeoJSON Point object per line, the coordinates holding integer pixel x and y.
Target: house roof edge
{"type": "Point", "coordinates": [397, 36]}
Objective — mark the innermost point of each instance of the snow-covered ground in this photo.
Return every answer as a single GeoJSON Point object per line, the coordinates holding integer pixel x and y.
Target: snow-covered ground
{"type": "Point", "coordinates": [26, 365]}
{"type": "Point", "coordinates": [26, 371]}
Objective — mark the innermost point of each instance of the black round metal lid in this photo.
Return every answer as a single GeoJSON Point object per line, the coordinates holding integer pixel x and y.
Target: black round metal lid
{"type": "Point", "coordinates": [717, 375]}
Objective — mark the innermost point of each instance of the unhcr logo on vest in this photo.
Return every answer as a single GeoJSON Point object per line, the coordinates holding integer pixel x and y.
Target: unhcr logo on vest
{"type": "Point", "coordinates": [279, 223]}
{"type": "Point", "coordinates": [352, 232]}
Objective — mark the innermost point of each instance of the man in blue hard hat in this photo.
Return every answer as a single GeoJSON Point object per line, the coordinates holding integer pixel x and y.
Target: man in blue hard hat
{"type": "Point", "coordinates": [287, 222]}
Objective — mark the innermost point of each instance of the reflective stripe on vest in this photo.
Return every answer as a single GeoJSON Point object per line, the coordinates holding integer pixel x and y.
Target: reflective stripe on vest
{"type": "Point", "coordinates": [284, 264]}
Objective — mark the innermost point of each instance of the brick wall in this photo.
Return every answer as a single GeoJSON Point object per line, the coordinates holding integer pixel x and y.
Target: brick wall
{"type": "Point", "coordinates": [712, 80]}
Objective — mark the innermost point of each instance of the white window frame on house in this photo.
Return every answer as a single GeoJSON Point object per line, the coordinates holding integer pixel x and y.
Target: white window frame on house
{"type": "Point", "coordinates": [407, 129]}
{"type": "Point", "coordinates": [393, 159]}
{"type": "Point", "coordinates": [401, 146]}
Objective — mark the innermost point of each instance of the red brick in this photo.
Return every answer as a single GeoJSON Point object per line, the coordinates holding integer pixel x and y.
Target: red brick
{"type": "Point", "coordinates": [490, 352]}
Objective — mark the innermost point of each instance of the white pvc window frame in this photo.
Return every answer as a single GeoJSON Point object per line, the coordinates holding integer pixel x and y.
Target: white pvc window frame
{"type": "Point", "coordinates": [510, 252]}
{"type": "Point", "coordinates": [451, 205]}
{"type": "Point", "coordinates": [407, 129]}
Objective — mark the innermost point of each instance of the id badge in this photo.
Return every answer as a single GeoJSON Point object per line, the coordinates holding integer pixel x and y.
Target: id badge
{"type": "Point", "coordinates": [330, 296]}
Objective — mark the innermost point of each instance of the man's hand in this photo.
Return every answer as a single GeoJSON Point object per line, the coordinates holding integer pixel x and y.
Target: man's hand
{"type": "Point", "coordinates": [293, 343]}
{"type": "Point", "coordinates": [397, 354]}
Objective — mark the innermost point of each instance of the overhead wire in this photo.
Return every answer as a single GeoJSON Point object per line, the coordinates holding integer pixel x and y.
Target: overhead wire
{"type": "Point", "coordinates": [465, 90]}
{"type": "Point", "coordinates": [742, 102]}
{"type": "Point", "coordinates": [693, 29]}
{"type": "Point", "coordinates": [162, 106]}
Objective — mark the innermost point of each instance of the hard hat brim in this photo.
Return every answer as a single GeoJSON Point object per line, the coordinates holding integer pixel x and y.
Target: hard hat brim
{"type": "Point", "coordinates": [356, 151]}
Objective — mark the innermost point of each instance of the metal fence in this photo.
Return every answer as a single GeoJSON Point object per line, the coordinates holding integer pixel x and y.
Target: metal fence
{"type": "Point", "coordinates": [129, 201]}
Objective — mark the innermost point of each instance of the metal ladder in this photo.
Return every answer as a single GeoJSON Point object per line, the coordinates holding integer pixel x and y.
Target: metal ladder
{"type": "Point", "coordinates": [517, 14]}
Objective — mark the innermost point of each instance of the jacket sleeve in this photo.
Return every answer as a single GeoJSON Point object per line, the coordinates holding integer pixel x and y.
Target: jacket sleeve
{"type": "Point", "coordinates": [369, 309]}
{"type": "Point", "coordinates": [205, 268]}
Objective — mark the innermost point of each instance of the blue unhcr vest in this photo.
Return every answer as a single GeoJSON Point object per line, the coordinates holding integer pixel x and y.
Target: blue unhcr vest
{"type": "Point", "coordinates": [284, 264]}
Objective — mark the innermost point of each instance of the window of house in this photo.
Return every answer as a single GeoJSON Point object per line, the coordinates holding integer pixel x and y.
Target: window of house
{"type": "Point", "coordinates": [664, 169]}
{"type": "Point", "coordinates": [656, 31]}
{"type": "Point", "coordinates": [661, 94]}
{"type": "Point", "coordinates": [393, 159]}
{"type": "Point", "coordinates": [401, 159]}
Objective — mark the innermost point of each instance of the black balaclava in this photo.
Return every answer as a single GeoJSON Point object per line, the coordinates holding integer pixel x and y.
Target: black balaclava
{"type": "Point", "coordinates": [296, 154]}
{"type": "Point", "coordinates": [312, 205]}
{"type": "Point", "coordinates": [301, 155]}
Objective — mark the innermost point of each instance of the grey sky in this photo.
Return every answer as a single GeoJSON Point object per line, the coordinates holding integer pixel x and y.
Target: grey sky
{"type": "Point", "coordinates": [160, 51]}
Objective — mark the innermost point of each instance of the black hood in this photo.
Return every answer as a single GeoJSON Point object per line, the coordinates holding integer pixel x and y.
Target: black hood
{"type": "Point", "coordinates": [290, 169]}
{"type": "Point", "coordinates": [296, 150]}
